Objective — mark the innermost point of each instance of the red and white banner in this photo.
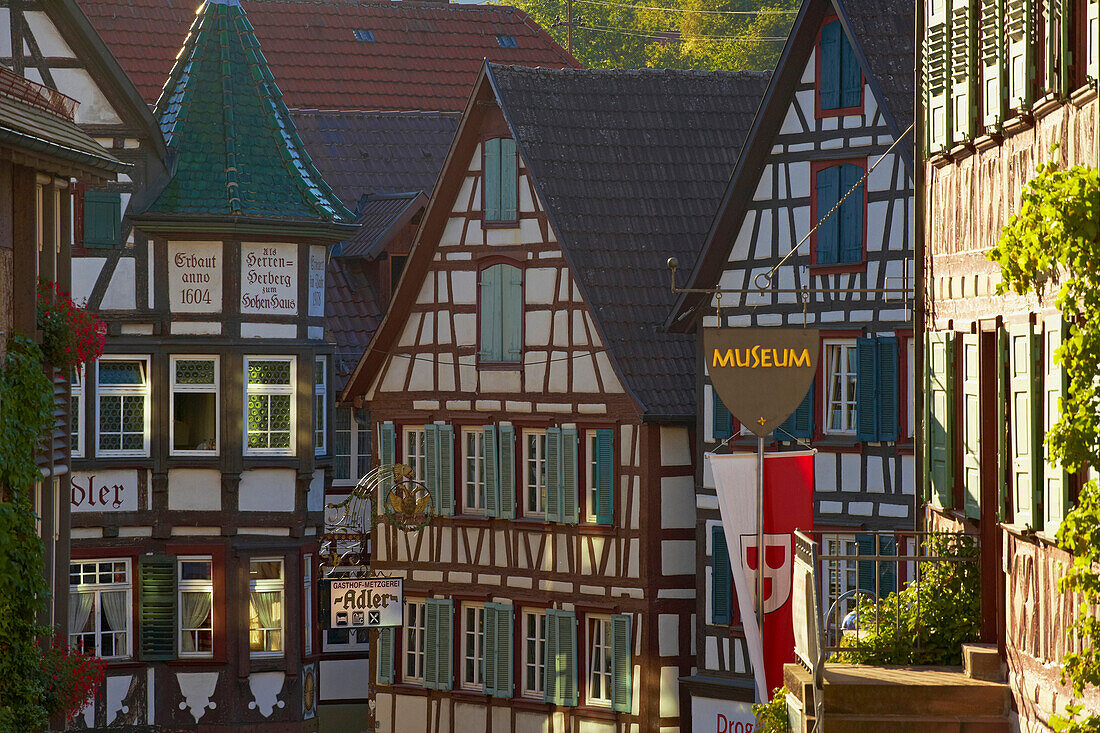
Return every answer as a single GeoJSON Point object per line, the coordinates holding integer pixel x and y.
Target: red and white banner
{"type": "Point", "coordinates": [788, 505]}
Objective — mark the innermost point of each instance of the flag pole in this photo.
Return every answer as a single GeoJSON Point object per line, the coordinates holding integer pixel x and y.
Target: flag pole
{"type": "Point", "coordinates": [760, 538]}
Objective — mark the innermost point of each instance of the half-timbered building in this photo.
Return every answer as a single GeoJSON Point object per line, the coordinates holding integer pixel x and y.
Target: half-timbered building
{"type": "Point", "coordinates": [522, 375]}
{"type": "Point", "coordinates": [1007, 86]}
{"type": "Point", "coordinates": [815, 230]}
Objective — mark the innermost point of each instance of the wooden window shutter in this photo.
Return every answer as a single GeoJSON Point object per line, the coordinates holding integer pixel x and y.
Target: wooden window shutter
{"type": "Point", "coordinates": [963, 76]}
{"type": "Point", "coordinates": [560, 684]}
{"type": "Point", "coordinates": [498, 650]}
{"type": "Point", "coordinates": [445, 468]}
{"type": "Point", "coordinates": [1055, 480]}
{"type": "Point", "coordinates": [992, 63]}
{"type": "Point", "coordinates": [800, 424]}
{"type": "Point", "coordinates": [553, 475]}
{"type": "Point", "coordinates": [1020, 37]}
{"type": "Point", "coordinates": [605, 478]}
{"type": "Point", "coordinates": [971, 426]}
{"type": "Point", "coordinates": [507, 474]}
{"type": "Point", "coordinates": [827, 188]}
{"type": "Point", "coordinates": [1056, 20]}
{"type": "Point", "coordinates": [829, 83]}
{"type": "Point", "coordinates": [887, 570]}
{"type": "Point", "coordinates": [387, 442]}
{"type": "Point", "coordinates": [622, 671]}
{"type": "Point", "coordinates": [939, 425]}
{"type": "Point", "coordinates": [431, 465]}
{"type": "Point", "coordinates": [492, 471]}
{"type": "Point", "coordinates": [438, 616]}
{"type": "Point", "coordinates": [1003, 428]}
{"type": "Point", "coordinates": [937, 79]}
{"type": "Point", "coordinates": [491, 173]}
{"type": "Point", "coordinates": [102, 218]}
{"type": "Point", "coordinates": [511, 312]}
{"type": "Point", "coordinates": [491, 314]}
{"type": "Point", "coordinates": [569, 477]}
{"type": "Point", "coordinates": [508, 179]}
{"type": "Point", "coordinates": [851, 214]}
{"type": "Point", "coordinates": [721, 592]}
{"type": "Point", "coordinates": [851, 78]}
{"type": "Point", "coordinates": [1024, 420]}
{"type": "Point", "coordinates": [888, 396]}
{"type": "Point", "coordinates": [866, 391]}
{"type": "Point", "coordinates": [723, 420]}
{"type": "Point", "coordinates": [1092, 42]}
{"type": "Point", "coordinates": [385, 656]}
{"type": "Point", "coordinates": [157, 607]}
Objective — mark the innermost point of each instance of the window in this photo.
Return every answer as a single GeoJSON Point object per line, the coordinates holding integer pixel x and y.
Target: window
{"type": "Point", "coordinates": [722, 605]}
{"type": "Point", "coordinates": [123, 406]}
{"type": "Point", "coordinates": [350, 447]}
{"type": "Point", "coordinates": [320, 405]}
{"type": "Point", "coordinates": [473, 454]}
{"type": "Point", "coordinates": [842, 576]}
{"type": "Point", "coordinates": [100, 599]}
{"type": "Point", "coordinates": [500, 314]}
{"type": "Point", "coordinates": [599, 477]}
{"type": "Point", "coordinates": [366, 36]}
{"type": "Point", "coordinates": [76, 413]}
{"type": "Point", "coordinates": [839, 238]}
{"type": "Point", "coordinates": [196, 599]}
{"type": "Point", "coordinates": [534, 653]}
{"type": "Point", "coordinates": [599, 661]}
{"type": "Point", "coordinates": [473, 646]}
{"type": "Point", "coordinates": [438, 640]}
{"type": "Point", "coordinates": [416, 452]}
{"type": "Point", "coordinates": [413, 671]}
{"type": "Point", "coordinates": [840, 388]}
{"type": "Point", "coordinates": [307, 595]}
{"type": "Point", "coordinates": [195, 405]}
{"type": "Point", "coordinates": [840, 82]}
{"type": "Point", "coordinates": [270, 397]}
{"type": "Point", "coordinates": [265, 607]}
{"type": "Point", "coordinates": [500, 180]}
{"type": "Point", "coordinates": [534, 461]}
{"type": "Point", "coordinates": [507, 42]}
{"type": "Point", "coordinates": [102, 218]}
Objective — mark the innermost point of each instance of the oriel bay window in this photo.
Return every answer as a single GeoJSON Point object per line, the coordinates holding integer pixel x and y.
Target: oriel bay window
{"type": "Point", "coordinates": [196, 604]}
{"type": "Point", "coordinates": [122, 410]}
{"type": "Point", "coordinates": [100, 602]}
{"type": "Point", "coordinates": [265, 607]}
{"type": "Point", "coordinates": [270, 401]}
{"type": "Point", "coordinates": [194, 405]}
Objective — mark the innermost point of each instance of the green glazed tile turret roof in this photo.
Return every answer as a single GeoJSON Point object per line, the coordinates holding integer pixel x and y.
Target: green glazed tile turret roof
{"type": "Point", "coordinates": [233, 148]}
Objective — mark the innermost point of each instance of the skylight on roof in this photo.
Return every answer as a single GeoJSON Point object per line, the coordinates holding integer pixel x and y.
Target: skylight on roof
{"type": "Point", "coordinates": [364, 35]}
{"type": "Point", "coordinates": [507, 42]}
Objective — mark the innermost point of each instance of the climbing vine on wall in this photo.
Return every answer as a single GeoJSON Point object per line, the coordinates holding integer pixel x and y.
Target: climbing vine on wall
{"type": "Point", "coordinates": [1053, 244]}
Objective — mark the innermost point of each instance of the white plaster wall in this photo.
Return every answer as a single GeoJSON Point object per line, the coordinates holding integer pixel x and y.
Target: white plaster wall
{"type": "Point", "coordinates": [267, 490]}
{"type": "Point", "coordinates": [194, 489]}
{"type": "Point", "coordinates": [346, 679]}
{"type": "Point", "coordinates": [121, 293]}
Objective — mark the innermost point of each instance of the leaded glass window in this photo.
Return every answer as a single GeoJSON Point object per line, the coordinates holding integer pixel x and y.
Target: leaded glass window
{"type": "Point", "coordinates": [320, 405]}
{"type": "Point", "coordinates": [123, 406]}
{"type": "Point", "coordinates": [270, 405]}
{"type": "Point", "coordinates": [195, 405]}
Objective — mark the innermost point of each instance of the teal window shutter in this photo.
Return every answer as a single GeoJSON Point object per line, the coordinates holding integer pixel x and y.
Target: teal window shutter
{"type": "Point", "coordinates": [507, 473]}
{"type": "Point", "coordinates": [491, 174]}
{"type": "Point", "coordinates": [827, 192]}
{"type": "Point", "coordinates": [723, 420]}
{"type": "Point", "coordinates": [569, 477]}
{"type": "Point", "coordinates": [888, 397]}
{"type": "Point", "coordinates": [560, 683]}
{"type": "Point", "coordinates": [387, 442]}
{"type": "Point", "coordinates": [1055, 479]}
{"type": "Point", "coordinates": [887, 570]}
{"type": "Point", "coordinates": [385, 656]}
{"type": "Point", "coordinates": [102, 218]}
{"type": "Point", "coordinates": [866, 391]}
{"type": "Point", "coordinates": [508, 179]}
{"type": "Point", "coordinates": [157, 607]}
{"type": "Point", "coordinates": [553, 475]}
{"type": "Point", "coordinates": [940, 420]}
{"type": "Point", "coordinates": [445, 468]}
{"type": "Point", "coordinates": [851, 215]}
{"type": "Point", "coordinates": [492, 472]}
{"type": "Point", "coordinates": [1024, 420]}
{"type": "Point", "coordinates": [605, 478]}
{"type": "Point", "coordinates": [970, 425]}
{"type": "Point", "coordinates": [438, 640]}
{"type": "Point", "coordinates": [498, 650]}
{"type": "Point", "coordinates": [721, 593]}
{"type": "Point", "coordinates": [829, 83]}
{"type": "Point", "coordinates": [851, 78]}
{"type": "Point", "coordinates": [511, 303]}
{"type": "Point", "coordinates": [800, 424]}
{"type": "Point", "coordinates": [622, 670]}
{"type": "Point", "coordinates": [491, 314]}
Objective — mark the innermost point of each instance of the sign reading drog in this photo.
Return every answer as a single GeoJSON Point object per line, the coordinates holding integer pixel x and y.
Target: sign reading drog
{"type": "Point", "coordinates": [761, 374]}
{"type": "Point", "coordinates": [195, 277]}
{"type": "Point", "coordinates": [269, 279]}
{"type": "Point", "coordinates": [366, 602]}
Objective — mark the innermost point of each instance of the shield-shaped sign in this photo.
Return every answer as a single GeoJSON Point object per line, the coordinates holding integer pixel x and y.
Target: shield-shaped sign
{"type": "Point", "coordinates": [761, 374]}
{"type": "Point", "coordinates": [777, 567]}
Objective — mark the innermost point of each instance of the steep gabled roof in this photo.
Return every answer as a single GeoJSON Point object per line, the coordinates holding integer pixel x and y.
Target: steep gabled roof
{"type": "Point", "coordinates": [380, 217]}
{"type": "Point", "coordinates": [342, 54]}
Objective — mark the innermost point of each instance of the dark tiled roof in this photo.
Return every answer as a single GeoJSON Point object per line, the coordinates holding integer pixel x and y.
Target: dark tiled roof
{"type": "Point", "coordinates": [379, 217]}
{"type": "Point", "coordinates": [353, 311]}
{"type": "Point", "coordinates": [632, 166]}
{"type": "Point", "coordinates": [885, 32]}
{"type": "Point", "coordinates": [361, 153]}
{"type": "Point", "coordinates": [235, 149]}
{"type": "Point", "coordinates": [423, 56]}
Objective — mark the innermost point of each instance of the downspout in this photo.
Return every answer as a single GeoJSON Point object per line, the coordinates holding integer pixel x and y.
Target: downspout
{"type": "Point", "coordinates": [918, 265]}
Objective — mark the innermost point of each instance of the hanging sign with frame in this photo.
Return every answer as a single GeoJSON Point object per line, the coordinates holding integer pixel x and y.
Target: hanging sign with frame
{"type": "Point", "coordinates": [366, 602]}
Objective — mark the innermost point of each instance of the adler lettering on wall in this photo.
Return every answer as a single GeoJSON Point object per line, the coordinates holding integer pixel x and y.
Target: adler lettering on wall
{"type": "Point", "coordinates": [195, 277]}
{"type": "Point", "coordinates": [761, 374]}
{"type": "Point", "coordinates": [269, 279]}
{"type": "Point", "coordinates": [104, 491]}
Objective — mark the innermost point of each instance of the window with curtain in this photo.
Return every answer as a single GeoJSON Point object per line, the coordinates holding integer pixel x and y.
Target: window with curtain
{"type": "Point", "coordinates": [194, 405]}
{"type": "Point", "coordinates": [841, 369]}
{"type": "Point", "coordinates": [413, 670]}
{"type": "Point", "coordinates": [351, 451]}
{"type": "Point", "coordinates": [416, 452]}
{"type": "Point", "coordinates": [270, 405]}
{"type": "Point", "coordinates": [122, 387]}
{"type": "Point", "coordinates": [500, 179]}
{"type": "Point", "coordinates": [265, 607]}
{"type": "Point", "coordinates": [473, 447]}
{"type": "Point", "coordinates": [320, 405]}
{"type": "Point", "coordinates": [100, 601]}
{"type": "Point", "coordinates": [500, 314]}
{"type": "Point", "coordinates": [841, 576]}
{"type": "Point", "coordinates": [196, 607]}
{"type": "Point", "coordinates": [76, 412]}
{"type": "Point", "coordinates": [534, 653]}
{"type": "Point", "coordinates": [534, 460]}
{"type": "Point", "coordinates": [473, 646]}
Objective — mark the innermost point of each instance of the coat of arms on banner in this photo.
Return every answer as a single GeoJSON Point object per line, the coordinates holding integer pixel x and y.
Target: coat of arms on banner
{"type": "Point", "coordinates": [778, 563]}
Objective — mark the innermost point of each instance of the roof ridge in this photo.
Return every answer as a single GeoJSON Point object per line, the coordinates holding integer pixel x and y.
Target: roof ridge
{"type": "Point", "coordinates": [749, 73]}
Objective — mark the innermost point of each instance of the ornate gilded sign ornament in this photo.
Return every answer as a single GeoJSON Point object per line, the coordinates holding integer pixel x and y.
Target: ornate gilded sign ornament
{"type": "Point", "coordinates": [761, 374]}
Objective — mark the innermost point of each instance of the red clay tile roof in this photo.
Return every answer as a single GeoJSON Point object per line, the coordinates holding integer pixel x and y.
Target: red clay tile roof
{"type": "Point", "coordinates": [425, 55]}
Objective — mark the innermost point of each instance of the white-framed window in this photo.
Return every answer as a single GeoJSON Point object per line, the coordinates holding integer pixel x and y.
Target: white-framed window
{"type": "Point", "coordinates": [265, 607]}
{"type": "Point", "coordinates": [350, 448]}
{"type": "Point", "coordinates": [269, 411]}
{"type": "Point", "coordinates": [122, 405]}
{"type": "Point", "coordinates": [841, 368]}
{"type": "Point", "coordinates": [910, 391]}
{"type": "Point", "coordinates": [534, 463]}
{"type": "Point", "coordinates": [307, 604]}
{"type": "Point", "coordinates": [320, 405]}
{"type": "Point", "coordinates": [196, 603]}
{"type": "Point", "coordinates": [194, 420]}
{"type": "Point", "coordinates": [100, 603]}
{"type": "Point", "coordinates": [599, 661]}
{"type": "Point", "coordinates": [591, 476]}
{"type": "Point", "coordinates": [473, 460]}
{"type": "Point", "coordinates": [416, 452]}
{"type": "Point", "coordinates": [534, 653]}
{"type": "Point", "coordinates": [413, 668]}
{"type": "Point", "coordinates": [841, 576]}
{"type": "Point", "coordinates": [76, 412]}
{"type": "Point", "coordinates": [473, 646]}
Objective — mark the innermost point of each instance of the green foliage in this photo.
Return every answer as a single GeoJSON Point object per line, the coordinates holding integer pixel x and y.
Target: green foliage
{"type": "Point", "coordinates": [618, 34]}
{"type": "Point", "coordinates": [925, 623]}
{"type": "Point", "coordinates": [771, 716]}
{"type": "Point", "coordinates": [1055, 241]}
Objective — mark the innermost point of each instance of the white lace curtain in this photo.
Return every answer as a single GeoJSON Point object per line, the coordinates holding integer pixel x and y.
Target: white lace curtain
{"type": "Point", "coordinates": [195, 614]}
{"type": "Point", "coordinates": [80, 609]}
{"type": "Point", "coordinates": [114, 608]}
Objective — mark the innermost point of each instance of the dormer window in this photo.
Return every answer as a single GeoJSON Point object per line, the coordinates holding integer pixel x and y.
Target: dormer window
{"type": "Point", "coordinates": [840, 82]}
{"type": "Point", "coordinates": [501, 182]}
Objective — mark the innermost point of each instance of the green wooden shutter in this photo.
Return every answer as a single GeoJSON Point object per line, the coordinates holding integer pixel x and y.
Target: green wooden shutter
{"type": "Point", "coordinates": [971, 426]}
{"type": "Point", "coordinates": [1092, 42]}
{"type": "Point", "coordinates": [827, 188]}
{"type": "Point", "coordinates": [887, 570]}
{"type": "Point", "coordinates": [489, 646]}
{"type": "Point", "coordinates": [511, 308]}
{"type": "Point", "coordinates": [800, 424]}
{"type": "Point", "coordinates": [1056, 21]}
{"type": "Point", "coordinates": [851, 215]}
{"type": "Point", "coordinates": [560, 683]}
{"type": "Point", "coordinates": [102, 218]}
{"type": "Point", "coordinates": [605, 478]}
{"type": "Point", "coordinates": [866, 391]}
{"type": "Point", "coordinates": [553, 475]}
{"type": "Point", "coordinates": [940, 417]}
{"type": "Point", "coordinates": [992, 63]}
{"type": "Point", "coordinates": [1003, 428]}
{"type": "Point", "coordinates": [507, 435]}
{"type": "Point", "coordinates": [385, 656]}
{"type": "Point", "coordinates": [721, 575]}
{"type": "Point", "coordinates": [1024, 421]}
{"type": "Point", "coordinates": [886, 366]}
{"type": "Point", "coordinates": [508, 179]}
{"type": "Point", "coordinates": [622, 671]}
{"type": "Point", "coordinates": [492, 471]}
{"type": "Point", "coordinates": [829, 83]}
{"type": "Point", "coordinates": [387, 442]}
{"type": "Point", "coordinates": [963, 76]}
{"type": "Point", "coordinates": [569, 476]}
{"type": "Point", "coordinates": [491, 314]}
{"type": "Point", "coordinates": [431, 465]}
{"type": "Point", "coordinates": [1020, 37]}
{"type": "Point", "coordinates": [851, 78]}
{"type": "Point", "coordinates": [937, 78]}
{"type": "Point", "coordinates": [438, 640]}
{"type": "Point", "coordinates": [157, 607]}
{"type": "Point", "coordinates": [1055, 480]}
{"type": "Point", "coordinates": [722, 419]}
{"type": "Point", "coordinates": [498, 650]}
{"type": "Point", "coordinates": [445, 466]}
{"type": "Point", "coordinates": [491, 174]}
